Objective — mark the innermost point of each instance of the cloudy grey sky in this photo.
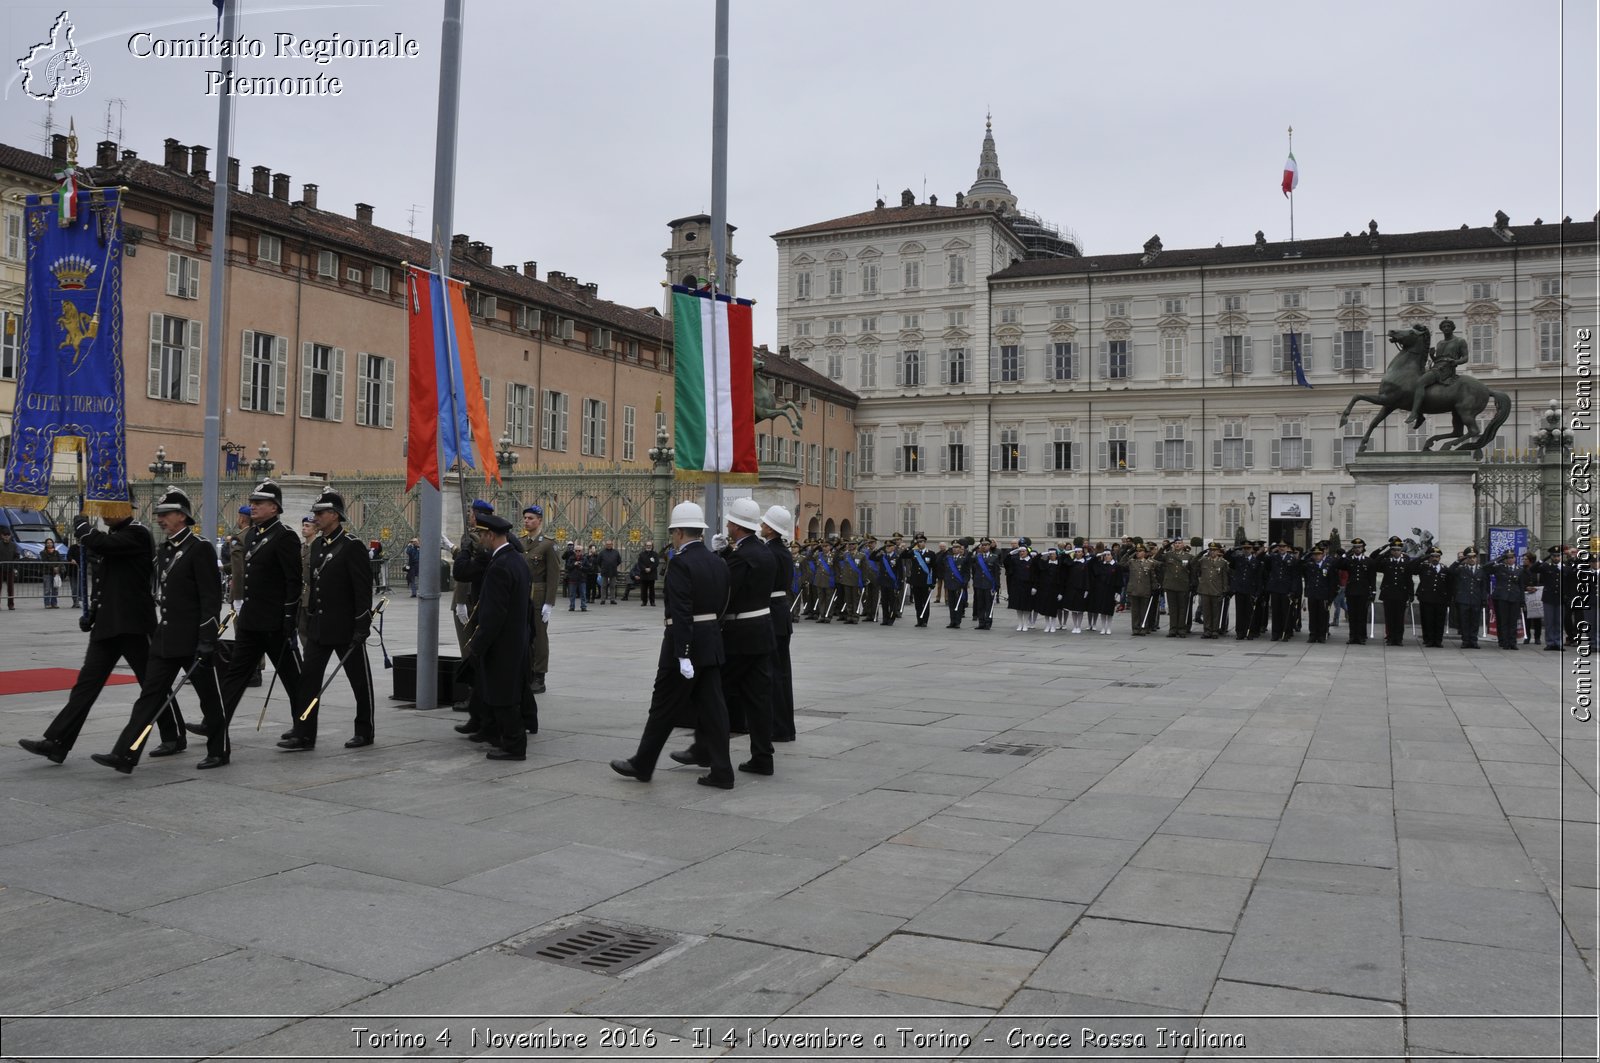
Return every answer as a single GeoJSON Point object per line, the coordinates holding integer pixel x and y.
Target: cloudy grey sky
{"type": "Point", "coordinates": [586, 126]}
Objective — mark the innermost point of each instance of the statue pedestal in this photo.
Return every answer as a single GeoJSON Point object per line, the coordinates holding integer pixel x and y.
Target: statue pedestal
{"type": "Point", "coordinates": [1448, 475]}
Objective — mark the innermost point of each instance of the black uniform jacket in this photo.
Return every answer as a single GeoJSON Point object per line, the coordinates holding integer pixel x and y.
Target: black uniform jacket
{"type": "Point", "coordinates": [1321, 579]}
{"type": "Point", "coordinates": [123, 558]}
{"type": "Point", "coordinates": [1397, 582]}
{"type": "Point", "coordinates": [1283, 573]}
{"type": "Point", "coordinates": [1363, 581]}
{"type": "Point", "coordinates": [1469, 584]}
{"type": "Point", "coordinates": [782, 586]}
{"type": "Point", "coordinates": [697, 586]}
{"type": "Point", "coordinates": [340, 609]}
{"type": "Point", "coordinates": [271, 578]}
{"type": "Point", "coordinates": [500, 638]}
{"type": "Point", "coordinates": [751, 579]}
{"type": "Point", "coordinates": [1433, 582]}
{"type": "Point", "coordinates": [189, 589]}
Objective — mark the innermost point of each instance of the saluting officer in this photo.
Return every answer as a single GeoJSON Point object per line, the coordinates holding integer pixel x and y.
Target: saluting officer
{"type": "Point", "coordinates": [1433, 596]}
{"type": "Point", "coordinates": [1397, 591]}
{"type": "Point", "coordinates": [122, 614]}
{"type": "Point", "coordinates": [1469, 590]}
{"type": "Point", "coordinates": [1322, 584]}
{"type": "Point", "coordinates": [985, 575]}
{"type": "Point", "coordinates": [921, 576]}
{"type": "Point", "coordinates": [1359, 588]}
{"type": "Point", "coordinates": [777, 523]}
{"type": "Point", "coordinates": [890, 573]}
{"type": "Point", "coordinates": [271, 601]}
{"type": "Point", "coordinates": [1509, 592]}
{"type": "Point", "coordinates": [824, 585]}
{"type": "Point", "coordinates": [953, 575]}
{"type": "Point", "coordinates": [188, 597]}
{"type": "Point", "coordinates": [338, 621]}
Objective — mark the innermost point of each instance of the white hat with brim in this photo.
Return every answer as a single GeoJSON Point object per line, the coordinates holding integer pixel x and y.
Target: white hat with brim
{"type": "Point", "coordinates": [688, 515]}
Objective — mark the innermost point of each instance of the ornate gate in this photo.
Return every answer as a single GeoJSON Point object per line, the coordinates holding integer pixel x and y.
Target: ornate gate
{"type": "Point", "coordinates": [1506, 493]}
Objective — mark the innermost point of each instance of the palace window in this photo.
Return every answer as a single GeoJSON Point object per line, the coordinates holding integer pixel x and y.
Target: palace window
{"type": "Point", "coordinates": [1116, 450]}
{"type": "Point", "coordinates": [1480, 344]}
{"type": "Point", "coordinates": [1008, 315]}
{"type": "Point", "coordinates": [836, 281]}
{"type": "Point", "coordinates": [519, 414]}
{"type": "Point", "coordinates": [1549, 342]}
{"type": "Point", "coordinates": [1418, 293]}
{"type": "Point", "coordinates": [869, 367]}
{"type": "Point", "coordinates": [1115, 360]}
{"type": "Point", "coordinates": [1233, 303]}
{"type": "Point", "coordinates": [1292, 300]}
{"type": "Point", "coordinates": [909, 520]}
{"type": "Point", "coordinates": [866, 442]}
{"type": "Point", "coordinates": [952, 521]}
{"type": "Point", "coordinates": [1289, 449]}
{"type": "Point", "coordinates": [1232, 519]}
{"type": "Point", "coordinates": [1233, 451]}
{"type": "Point", "coordinates": [1063, 363]}
{"type": "Point", "coordinates": [1010, 454]}
{"type": "Point", "coordinates": [1172, 354]}
{"type": "Point", "coordinates": [553, 420]}
{"type": "Point", "coordinates": [269, 248]}
{"type": "Point", "coordinates": [1061, 449]}
{"type": "Point", "coordinates": [1172, 522]}
{"type": "Point", "coordinates": [869, 278]}
{"type": "Point", "coordinates": [910, 458]}
{"type": "Point", "coordinates": [1483, 290]}
{"type": "Point", "coordinates": [1116, 521]}
{"type": "Point", "coordinates": [1173, 452]}
{"type": "Point", "coordinates": [593, 427]}
{"type": "Point", "coordinates": [955, 449]}
{"type": "Point", "coordinates": [909, 369]}
{"type": "Point", "coordinates": [814, 474]}
{"type": "Point", "coordinates": [1352, 349]}
{"type": "Point", "coordinates": [264, 372]}
{"type": "Point", "coordinates": [327, 264]}
{"type": "Point", "coordinates": [835, 362]}
{"type": "Point", "coordinates": [913, 275]}
{"type": "Point", "coordinates": [869, 324]}
{"type": "Point", "coordinates": [957, 265]}
{"type": "Point", "coordinates": [321, 382]}
{"type": "Point", "coordinates": [954, 366]}
{"type": "Point", "coordinates": [1232, 356]}
{"type": "Point", "coordinates": [1062, 526]}
{"type": "Point", "coordinates": [864, 520]}
{"type": "Point", "coordinates": [1172, 306]}
{"type": "Point", "coordinates": [629, 433]}
{"type": "Point", "coordinates": [180, 227]}
{"type": "Point", "coordinates": [833, 466]}
{"type": "Point", "coordinates": [802, 285]}
{"type": "Point", "coordinates": [375, 391]}
{"type": "Point", "coordinates": [183, 276]}
{"type": "Point", "coordinates": [1549, 287]}
{"type": "Point", "coordinates": [1008, 520]}
{"type": "Point", "coordinates": [1010, 363]}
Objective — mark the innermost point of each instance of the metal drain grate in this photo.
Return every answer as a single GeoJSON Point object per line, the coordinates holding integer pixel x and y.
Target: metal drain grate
{"type": "Point", "coordinates": [1143, 686]}
{"type": "Point", "coordinates": [1012, 751]}
{"type": "Point", "coordinates": [592, 947]}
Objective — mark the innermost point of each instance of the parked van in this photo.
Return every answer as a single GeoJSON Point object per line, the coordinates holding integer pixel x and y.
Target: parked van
{"type": "Point", "coordinates": [29, 529]}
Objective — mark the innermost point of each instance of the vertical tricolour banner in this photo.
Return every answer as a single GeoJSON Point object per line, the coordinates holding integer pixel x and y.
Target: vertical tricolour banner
{"type": "Point", "coordinates": [713, 383]}
{"type": "Point", "coordinates": [445, 408]}
{"type": "Point", "coordinates": [1291, 174]}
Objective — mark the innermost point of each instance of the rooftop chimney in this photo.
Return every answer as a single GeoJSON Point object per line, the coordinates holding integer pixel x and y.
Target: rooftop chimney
{"type": "Point", "coordinates": [933, 201]}
{"type": "Point", "coordinates": [308, 195]}
{"type": "Point", "coordinates": [1152, 248]}
{"type": "Point", "coordinates": [58, 147]}
{"type": "Point", "coordinates": [129, 155]}
{"type": "Point", "coordinates": [233, 172]}
{"type": "Point", "coordinates": [961, 198]}
{"type": "Point", "coordinates": [280, 187]}
{"type": "Point", "coordinates": [364, 213]}
{"type": "Point", "coordinates": [458, 245]}
{"type": "Point", "coordinates": [177, 156]}
{"type": "Point", "coordinates": [198, 156]}
{"type": "Point", "coordinates": [260, 180]}
{"type": "Point", "coordinates": [908, 198]}
{"type": "Point", "coordinates": [530, 268]}
{"type": "Point", "coordinates": [480, 252]}
{"type": "Point", "coordinates": [557, 278]}
{"type": "Point", "coordinates": [105, 153]}
{"type": "Point", "coordinates": [591, 290]}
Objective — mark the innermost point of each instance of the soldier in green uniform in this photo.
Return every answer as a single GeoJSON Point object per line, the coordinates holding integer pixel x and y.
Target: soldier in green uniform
{"type": "Point", "coordinates": [848, 569]}
{"type": "Point", "coordinates": [544, 569]}
{"type": "Point", "coordinates": [1213, 588]}
{"type": "Point", "coordinates": [1144, 588]}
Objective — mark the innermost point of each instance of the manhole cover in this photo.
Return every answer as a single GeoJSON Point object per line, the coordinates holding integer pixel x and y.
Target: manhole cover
{"type": "Point", "coordinates": [1005, 750]}
{"type": "Point", "coordinates": [1124, 683]}
{"type": "Point", "coordinates": [592, 947]}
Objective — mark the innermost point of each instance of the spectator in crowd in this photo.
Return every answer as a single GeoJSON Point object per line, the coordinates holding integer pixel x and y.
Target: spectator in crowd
{"type": "Point", "coordinates": [50, 573]}
{"type": "Point", "coordinates": [608, 562]}
{"type": "Point", "coordinates": [576, 573]}
{"type": "Point", "coordinates": [413, 565]}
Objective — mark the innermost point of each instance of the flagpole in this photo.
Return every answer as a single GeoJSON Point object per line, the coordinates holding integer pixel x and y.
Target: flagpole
{"type": "Point", "coordinates": [212, 446]}
{"type": "Point", "coordinates": [1291, 187]}
{"type": "Point", "coordinates": [430, 501]}
{"type": "Point", "coordinates": [719, 240]}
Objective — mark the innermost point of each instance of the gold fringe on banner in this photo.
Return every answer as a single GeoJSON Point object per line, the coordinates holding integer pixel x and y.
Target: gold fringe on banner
{"type": "Point", "coordinates": [700, 476]}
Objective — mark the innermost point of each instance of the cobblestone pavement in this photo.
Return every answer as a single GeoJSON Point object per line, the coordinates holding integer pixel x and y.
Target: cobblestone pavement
{"type": "Point", "coordinates": [990, 842]}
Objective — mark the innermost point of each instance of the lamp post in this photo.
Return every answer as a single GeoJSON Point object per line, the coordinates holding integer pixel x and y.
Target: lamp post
{"type": "Point", "coordinates": [263, 465]}
{"type": "Point", "coordinates": [1250, 500]}
{"type": "Point", "coordinates": [660, 457]}
{"type": "Point", "coordinates": [160, 469]}
{"type": "Point", "coordinates": [1552, 442]}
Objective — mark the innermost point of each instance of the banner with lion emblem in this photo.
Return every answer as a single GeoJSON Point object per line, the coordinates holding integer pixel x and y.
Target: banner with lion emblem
{"type": "Point", "coordinates": [70, 381]}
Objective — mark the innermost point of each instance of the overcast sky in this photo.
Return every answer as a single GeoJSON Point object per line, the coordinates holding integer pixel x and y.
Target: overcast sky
{"type": "Point", "coordinates": [586, 126]}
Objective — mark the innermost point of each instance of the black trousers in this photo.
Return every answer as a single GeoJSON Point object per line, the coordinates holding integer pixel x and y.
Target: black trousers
{"type": "Point", "coordinates": [1319, 619]}
{"type": "Point", "coordinates": [674, 696]}
{"type": "Point", "coordinates": [160, 676]}
{"type": "Point", "coordinates": [919, 602]}
{"type": "Point", "coordinates": [1506, 617]}
{"type": "Point", "coordinates": [1394, 623]}
{"type": "Point", "coordinates": [782, 692]}
{"type": "Point", "coordinates": [956, 599]}
{"type": "Point", "coordinates": [1279, 603]}
{"type": "Point", "coordinates": [1244, 608]}
{"type": "Point", "coordinates": [1358, 608]}
{"type": "Point", "coordinates": [983, 606]}
{"type": "Point", "coordinates": [356, 669]}
{"type": "Point", "coordinates": [1470, 618]}
{"type": "Point", "coordinates": [747, 684]}
{"type": "Point", "coordinates": [248, 646]}
{"type": "Point", "coordinates": [1433, 615]}
{"type": "Point", "coordinates": [98, 661]}
{"type": "Point", "coordinates": [889, 599]}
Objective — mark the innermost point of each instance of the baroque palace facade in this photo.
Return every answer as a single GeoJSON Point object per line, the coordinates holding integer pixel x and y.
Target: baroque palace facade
{"type": "Point", "coordinates": [1010, 387]}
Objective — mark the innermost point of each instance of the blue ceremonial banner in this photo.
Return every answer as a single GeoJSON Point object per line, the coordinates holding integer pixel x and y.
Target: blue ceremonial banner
{"type": "Point", "coordinates": [1296, 361]}
{"type": "Point", "coordinates": [69, 383]}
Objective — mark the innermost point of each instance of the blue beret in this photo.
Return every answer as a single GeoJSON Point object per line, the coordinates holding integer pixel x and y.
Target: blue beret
{"type": "Point", "coordinates": [536, 509]}
{"type": "Point", "coordinates": [478, 503]}
{"type": "Point", "coordinates": [244, 511]}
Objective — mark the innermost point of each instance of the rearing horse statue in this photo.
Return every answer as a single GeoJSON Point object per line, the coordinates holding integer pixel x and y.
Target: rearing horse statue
{"type": "Point", "coordinates": [768, 408]}
{"type": "Point", "coordinates": [1463, 398]}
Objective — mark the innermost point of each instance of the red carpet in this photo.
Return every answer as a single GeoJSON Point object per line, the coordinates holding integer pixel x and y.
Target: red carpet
{"type": "Point", "coordinates": [34, 680]}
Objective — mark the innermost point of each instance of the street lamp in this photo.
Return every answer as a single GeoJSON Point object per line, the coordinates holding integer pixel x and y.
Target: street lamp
{"type": "Point", "coordinates": [1552, 436]}
{"type": "Point", "coordinates": [1250, 500]}
{"type": "Point", "coordinates": [1332, 498]}
{"type": "Point", "coordinates": [505, 455]}
{"type": "Point", "coordinates": [263, 465]}
{"type": "Point", "coordinates": [161, 467]}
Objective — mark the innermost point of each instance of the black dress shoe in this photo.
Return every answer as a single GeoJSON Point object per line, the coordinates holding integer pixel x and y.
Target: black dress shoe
{"type": "Point", "coordinates": [479, 736]}
{"type": "Point", "coordinates": [712, 780]}
{"type": "Point", "coordinates": [295, 744]}
{"type": "Point", "coordinates": [501, 754]}
{"type": "Point", "coordinates": [167, 749]}
{"type": "Point", "coordinates": [783, 738]}
{"type": "Point", "coordinates": [114, 760]}
{"type": "Point", "coordinates": [462, 728]}
{"type": "Point", "coordinates": [690, 756]}
{"type": "Point", "coordinates": [212, 762]}
{"type": "Point", "coordinates": [254, 680]}
{"type": "Point", "coordinates": [625, 767]}
{"type": "Point", "coordinates": [287, 734]}
{"type": "Point", "coordinates": [358, 741]}
{"type": "Point", "coordinates": [45, 747]}
{"type": "Point", "coordinates": [196, 728]}
{"type": "Point", "coordinates": [757, 767]}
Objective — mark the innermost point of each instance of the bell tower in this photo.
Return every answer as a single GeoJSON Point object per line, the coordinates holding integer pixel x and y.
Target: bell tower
{"type": "Point", "coordinates": [687, 255]}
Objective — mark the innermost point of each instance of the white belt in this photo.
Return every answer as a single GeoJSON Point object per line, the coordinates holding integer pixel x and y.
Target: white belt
{"type": "Point", "coordinates": [752, 614]}
{"type": "Point", "coordinates": [698, 618]}
{"type": "Point", "coordinates": [780, 594]}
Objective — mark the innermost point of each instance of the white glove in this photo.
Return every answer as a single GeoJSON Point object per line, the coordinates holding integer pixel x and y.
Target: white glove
{"type": "Point", "coordinates": [544, 614]}
{"type": "Point", "coordinates": [719, 541]}
{"type": "Point", "coordinates": [238, 604]}
{"type": "Point", "coordinates": [685, 668]}
{"type": "Point", "coordinates": [461, 613]}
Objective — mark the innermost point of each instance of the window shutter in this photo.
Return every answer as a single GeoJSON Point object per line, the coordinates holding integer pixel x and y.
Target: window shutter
{"type": "Point", "coordinates": [1367, 353]}
{"type": "Point", "coordinates": [1100, 455]}
{"type": "Point", "coordinates": [994, 363]}
{"type": "Point", "coordinates": [1280, 357]}
{"type": "Point", "coordinates": [1305, 452]}
{"type": "Point", "coordinates": [1022, 457]}
{"type": "Point", "coordinates": [944, 458]}
{"type": "Point", "coordinates": [1274, 447]}
{"type": "Point", "coordinates": [511, 410]}
{"type": "Point", "coordinates": [899, 459]}
{"type": "Point", "coordinates": [1338, 351]}
{"type": "Point", "coordinates": [566, 405]}
{"type": "Point", "coordinates": [922, 457]}
{"type": "Point", "coordinates": [544, 420]}
{"type": "Point", "coordinates": [338, 384]}
{"type": "Point", "coordinates": [153, 383]}
{"type": "Point", "coordinates": [1249, 454]}
{"type": "Point", "coordinates": [1188, 520]}
{"type": "Point", "coordinates": [1336, 459]}
{"type": "Point", "coordinates": [388, 393]}
{"type": "Point", "coordinates": [305, 380]}
{"type": "Point", "coordinates": [900, 371]}
{"type": "Point", "coordinates": [280, 375]}
{"type": "Point", "coordinates": [1249, 356]}
{"type": "Point", "coordinates": [603, 431]}
{"type": "Point", "coordinates": [174, 274]}
{"type": "Point", "coordinates": [1216, 453]}
{"type": "Point", "coordinates": [192, 281]}
{"type": "Point", "coordinates": [1188, 454]}
{"type": "Point", "coordinates": [1216, 356]}
{"type": "Point", "coordinates": [1305, 351]}
{"type": "Point", "coordinates": [1131, 448]}
{"type": "Point", "coordinates": [994, 457]}
{"type": "Point", "coordinates": [247, 352]}
{"type": "Point", "coordinates": [191, 387]}
{"type": "Point", "coordinates": [1158, 461]}
{"type": "Point", "coordinates": [1105, 360]}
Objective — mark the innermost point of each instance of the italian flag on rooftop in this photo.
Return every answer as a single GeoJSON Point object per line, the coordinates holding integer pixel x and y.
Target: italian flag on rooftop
{"type": "Point", "coordinates": [713, 384]}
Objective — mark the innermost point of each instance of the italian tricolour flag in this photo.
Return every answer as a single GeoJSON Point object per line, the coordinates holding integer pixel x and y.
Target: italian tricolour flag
{"type": "Point", "coordinates": [1291, 175]}
{"type": "Point", "coordinates": [713, 383]}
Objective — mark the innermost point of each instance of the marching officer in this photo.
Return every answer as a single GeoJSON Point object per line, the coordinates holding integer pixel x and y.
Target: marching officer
{"type": "Point", "coordinates": [271, 597]}
{"type": "Point", "coordinates": [498, 645]}
{"type": "Point", "coordinates": [544, 570]}
{"type": "Point", "coordinates": [338, 622]}
{"type": "Point", "coordinates": [1359, 588]}
{"type": "Point", "coordinates": [1469, 590]}
{"type": "Point", "coordinates": [776, 524]}
{"type": "Point", "coordinates": [189, 598]}
{"type": "Point", "coordinates": [920, 575]}
{"type": "Point", "coordinates": [687, 672]}
{"type": "Point", "coordinates": [1396, 592]}
{"type": "Point", "coordinates": [1433, 596]}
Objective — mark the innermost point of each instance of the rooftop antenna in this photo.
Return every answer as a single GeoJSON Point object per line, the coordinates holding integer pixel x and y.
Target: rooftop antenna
{"type": "Point", "coordinates": [924, 188]}
{"type": "Point", "coordinates": [48, 124]}
{"type": "Point", "coordinates": [120, 105]}
{"type": "Point", "coordinates": [411, 221]}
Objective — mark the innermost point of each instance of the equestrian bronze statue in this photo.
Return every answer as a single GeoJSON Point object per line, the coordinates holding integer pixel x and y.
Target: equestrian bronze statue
{"type": "Point", "coordinates": [1412, 386]}
{"type": "Point", "coordinates": [768, 408]}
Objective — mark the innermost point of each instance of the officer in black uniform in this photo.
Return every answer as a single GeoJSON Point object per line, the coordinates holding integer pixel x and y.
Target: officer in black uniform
{"type": "Point", "coordinates": [1245, 582]}
{"type": "Point", "coordinates": [1509, 592]}
{"type": "Point", "coordinates": [1283, 584]}
{"type": "Point", "coordinates": [1433, 596]}
{"type": "Point", "coordinates": [985, 574]}
{"type": "Point", "coordinates": [952, 572]}
{"type": "Point", "coordinates": [122, 613]}
{"type": "Point", "coordinates": [1321, 574]}
{"type": "Point", "coordinates": [776, 524]}
{"type": "Point", "coordinates": [188, 597]}
{"type": "Point", "coordinates": [688, 679]}
{"type": "Point", "coordinates": [1359, 588]}
{"type": "Point", "coordinates": [499, 645]}
{"type": "Point", "coordinates": [1396, 592]}
{"type": "Point", "coordinates": [888, 563]}
{"type": "Point", "coordinates": [1469, 590]}
{"type": "Point", "coordinates": [920, 574]}
{"type": "Point", "coordinates": [338, 622]}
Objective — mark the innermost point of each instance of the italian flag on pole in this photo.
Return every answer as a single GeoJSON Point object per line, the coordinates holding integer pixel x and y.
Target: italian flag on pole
{"type": "Point", "coordinates": [713, 384]}
{"type": "Point", "coordinates": [1291, 175]}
